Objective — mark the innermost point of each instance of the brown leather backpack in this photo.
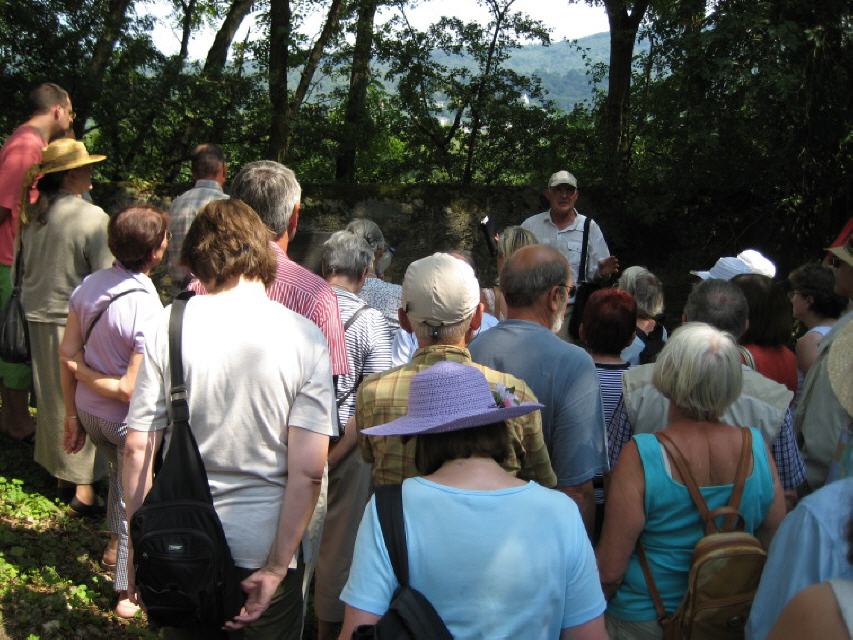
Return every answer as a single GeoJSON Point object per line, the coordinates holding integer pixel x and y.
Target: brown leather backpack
{"type": "Point", "coordinates": [726, 567]}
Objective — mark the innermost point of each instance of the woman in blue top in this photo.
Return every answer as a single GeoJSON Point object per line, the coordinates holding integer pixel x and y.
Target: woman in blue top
{"type": "Point", "coordinates": [699, 371]}
{"type": "Point", "coordinates": [497, 557]}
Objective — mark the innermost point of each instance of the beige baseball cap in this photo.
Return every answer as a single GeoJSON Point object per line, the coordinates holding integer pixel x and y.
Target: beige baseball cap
{"type": "Point", "coordinates": [440, 290]}
{"type": "Point", "coordinates": [562, 177]}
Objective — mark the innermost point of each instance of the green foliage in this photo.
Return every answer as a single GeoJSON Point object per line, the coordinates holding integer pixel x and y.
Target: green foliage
{"type": "Point", "coordinates": [51, 585]}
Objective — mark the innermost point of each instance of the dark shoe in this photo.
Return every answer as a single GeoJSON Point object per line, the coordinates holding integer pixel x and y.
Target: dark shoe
{"type": "Point", "coordinates": [87, 510]}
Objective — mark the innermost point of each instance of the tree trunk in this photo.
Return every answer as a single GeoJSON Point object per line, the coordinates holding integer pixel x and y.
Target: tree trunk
{"type": "Point", "coordinates": [186, 30]}
{"type": "Point", "coordinates": [94, 74]}
{"type": "Point", "coordinates": [217, 55]}
{"type": "Point", "coordinates": [476, 108]}
{"type": "Point", "coordinates": [623, 33]}
{"type": "Point", "coordinates": [359, 76]}
{"type": "Point", "coordinates": [329, 28]}
{"type": "Point", "coordinates": [279, 38]}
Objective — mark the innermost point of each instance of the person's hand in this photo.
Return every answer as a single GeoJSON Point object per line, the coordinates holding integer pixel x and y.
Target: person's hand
{"type": "Point", "coordinates": [259, 587]}
{"type": "Point", "coordinates": [74, 437]}
{"type": "Point", "coordinates": [608, 267]}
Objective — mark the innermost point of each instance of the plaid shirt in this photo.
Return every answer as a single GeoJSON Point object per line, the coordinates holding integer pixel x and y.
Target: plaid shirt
{"type": "Point", "coordinates": [789, 462]}
{"type": "Point", "coordinates": [385, 397]}
{"type": "Point", "coordinates": [181, 215]}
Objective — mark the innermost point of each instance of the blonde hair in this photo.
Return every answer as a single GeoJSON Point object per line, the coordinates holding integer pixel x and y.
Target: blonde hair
{"type": "Point", "coordinates": [512, 239]}
{"type": "Point", "coordinates": [699, 370]}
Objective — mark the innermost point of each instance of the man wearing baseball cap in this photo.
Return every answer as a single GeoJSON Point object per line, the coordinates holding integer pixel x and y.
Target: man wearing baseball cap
{"type": "Point", "coordinates": [562, 227]}
{"type": "Point", "coordinates": [441, 306]}
{"type": "Point", "coordinates": [820, 415]}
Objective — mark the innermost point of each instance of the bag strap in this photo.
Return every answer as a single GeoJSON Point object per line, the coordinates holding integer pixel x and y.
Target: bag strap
{"type": "Point", "coordinates": [340, 401]}
{"type": "Point", "coordinates": [355, 316]}
{"type": "Point", "coordinates": [389, 507]}
{"type": "Point", "coordinates": [740, 478]}
{"type": "Point", "coordinates": [680, 463]}
{"type": "Point", "coordinates": [650, 583]}
{"type": "Point", "coordinates": [178, 391]}
{"type": "Point", "coordinates": [19, 261]}
{"type": "Point", "coordinates": [105, 307]}
{"type": "Point", "coordinates": [584, 250]}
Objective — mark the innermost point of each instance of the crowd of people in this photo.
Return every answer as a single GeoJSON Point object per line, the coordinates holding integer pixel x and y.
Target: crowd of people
{"type": "Point", "coordinates": [553, 485]}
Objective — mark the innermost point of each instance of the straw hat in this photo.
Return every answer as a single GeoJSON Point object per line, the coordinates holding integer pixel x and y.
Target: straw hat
{"type": "Point", "coordinates": [450, 396]}
{"type": "Point", "coordinates": [840, 367]}
{"type": "Point", "coordinates": [66, 154]}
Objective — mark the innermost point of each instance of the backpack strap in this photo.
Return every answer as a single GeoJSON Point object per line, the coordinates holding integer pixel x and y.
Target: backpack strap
{"type": "Point", "coordinates": [650, 583]}
{"type": "Point", "coordinates": [105, 307]}
{"type": "Point", "coordinates": [389, 508]}
{"type": "Point", "coordinates": [730, 523]}
{"type": "Point", "coordinates": [340, 401]}
{"type": "Point", "coordinates": [584, 250]}
{"type": "Point", "coordinates": [680, 463]}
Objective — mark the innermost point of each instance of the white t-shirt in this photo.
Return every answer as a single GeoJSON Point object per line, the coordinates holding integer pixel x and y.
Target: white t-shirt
{"type": "Point", "coordinates": [252, 368]}
{"type": "Point", "coordinates": [569, 241]}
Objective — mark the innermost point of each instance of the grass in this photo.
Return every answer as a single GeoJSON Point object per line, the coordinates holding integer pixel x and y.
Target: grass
{"type": "Point", "coordinates": [51, 582]}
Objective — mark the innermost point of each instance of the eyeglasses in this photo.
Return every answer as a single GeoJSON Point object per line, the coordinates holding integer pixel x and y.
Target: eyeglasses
{"type": "Point", "coordinates": [791, 295]}
{"type": "Point", "coordinates": [570, 289]}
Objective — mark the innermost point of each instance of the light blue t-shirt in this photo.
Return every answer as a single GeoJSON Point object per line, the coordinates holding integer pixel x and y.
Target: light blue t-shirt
{"type": "Point", "coordinates": [512, 563]}
{"type": "Point", "coordinates": [564, 379]}
{"type": "Point", "coordinates": [809, 547]}
{"type": "Point", "coordinates": [674, 527]}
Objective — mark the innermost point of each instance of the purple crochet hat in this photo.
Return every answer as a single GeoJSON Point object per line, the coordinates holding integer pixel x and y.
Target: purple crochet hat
{"type": "Point", "coordinates": [450, 396]}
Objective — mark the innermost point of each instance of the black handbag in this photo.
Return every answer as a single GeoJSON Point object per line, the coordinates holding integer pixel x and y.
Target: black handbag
{"type": "Point", "coordinates": [185, 574]}
{"type": "Point", "coordinates": [14, 333]}
{"type": "Point", "coordinates": [585, 288]}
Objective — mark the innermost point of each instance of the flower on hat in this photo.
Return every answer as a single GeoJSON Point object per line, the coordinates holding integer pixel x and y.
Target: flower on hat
{"type": "Point", "coordinates": [505, 397]}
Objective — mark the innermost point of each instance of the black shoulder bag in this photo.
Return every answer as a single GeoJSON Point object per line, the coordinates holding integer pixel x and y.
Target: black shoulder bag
{"type": "Point", "coordinates": [14, 333]}
{"type": "Point", "coordinates": [184, 571]}
{"type": "Point", "coordinates": [410, 615]}
{"type": "Point", "coordinates": [585, 288]}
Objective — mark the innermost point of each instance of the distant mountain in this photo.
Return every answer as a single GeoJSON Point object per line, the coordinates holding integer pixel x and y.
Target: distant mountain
{"type": "Point", "coordinates": [562, 66]}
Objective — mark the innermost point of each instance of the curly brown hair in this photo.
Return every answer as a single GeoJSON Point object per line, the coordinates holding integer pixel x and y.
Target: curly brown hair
{"type": "Point", "coordinates": [228, 239]}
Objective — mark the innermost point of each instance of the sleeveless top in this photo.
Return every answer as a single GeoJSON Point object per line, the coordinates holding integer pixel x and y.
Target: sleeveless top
{"type": "Point", "coordinates": [821, 329]}
{"type": "Point", "coordinates": [673, 527]}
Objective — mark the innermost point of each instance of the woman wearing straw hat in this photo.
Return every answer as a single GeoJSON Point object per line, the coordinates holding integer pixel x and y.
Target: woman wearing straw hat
{"type": "Point", "coordinates": [496, 556]}
{"type": "Point", "coordinates": [63, 239]}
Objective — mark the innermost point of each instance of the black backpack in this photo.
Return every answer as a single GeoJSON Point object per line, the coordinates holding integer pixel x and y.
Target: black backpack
{"type": "Point", "coordinates": [410, 615]}
{"type": "Point", "coordinates": [185, 575]}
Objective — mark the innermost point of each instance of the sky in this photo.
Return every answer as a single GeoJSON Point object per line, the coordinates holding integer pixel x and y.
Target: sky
{"type": "Point", "coordinates": [567, 21]}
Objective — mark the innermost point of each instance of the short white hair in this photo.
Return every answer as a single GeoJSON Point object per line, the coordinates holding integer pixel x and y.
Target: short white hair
{"type": "Point", "coordinates": [700, 371]}
{"type": "Point", "coordinates": [450, 333]}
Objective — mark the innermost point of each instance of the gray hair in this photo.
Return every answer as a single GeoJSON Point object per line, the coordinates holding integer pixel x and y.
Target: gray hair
{"type": "Point", "coordinates": [719, 303]}
{"type": "Point", "coordinates": [522, 285]}
{"type": "Point", "coordinates": [646, 288]}
{"type": "Point", "coordinates": [271, 189]}
{"type": "Point", "coordinates": [699, 370]}
{"type": "Point", "coordinates": [346, 254]}
{"type": "Point", "coordinates": [450, 333]}
{"type": "Point", "coordinates": [369, 231]}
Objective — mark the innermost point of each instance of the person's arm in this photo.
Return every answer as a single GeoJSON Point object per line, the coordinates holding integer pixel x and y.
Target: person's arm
{"type": "Point", "coordinates": [140, 447]}
{"type": "Point", "coordinates": [777, 509]}
{"type": "Point", "coordinates": [624, 519]}
{"type": "Point", "coordinates": [306, 460]}
{"type": "Point", "coordinates": [807, 351]}
{"type": "Point", "coordinates": [599, 260]}
{"type": "Point", "coordinates": [592, 630]}
{"type": "Point", "coordinates": [73, 437]}
{"type": "Point", "coordinates": [116, 387]}
{"type": "Point", "coordinates": [584, 497]}
{"type": "Point", "coordinates": [342, 448]}
{"type": "Point", "coordinates": [619, 432]}
{"type": "Point", "coordinates": [812, 613]}
{"type": "Point", "coordinates": [354, 618]}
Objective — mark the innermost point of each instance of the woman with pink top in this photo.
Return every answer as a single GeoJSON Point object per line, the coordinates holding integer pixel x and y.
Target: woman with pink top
{"type": "Point", "coordinates": [110, 314]}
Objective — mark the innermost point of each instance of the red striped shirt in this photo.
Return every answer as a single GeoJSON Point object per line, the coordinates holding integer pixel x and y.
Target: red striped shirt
{"type": "Point", "coordinates": [308, 295]}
